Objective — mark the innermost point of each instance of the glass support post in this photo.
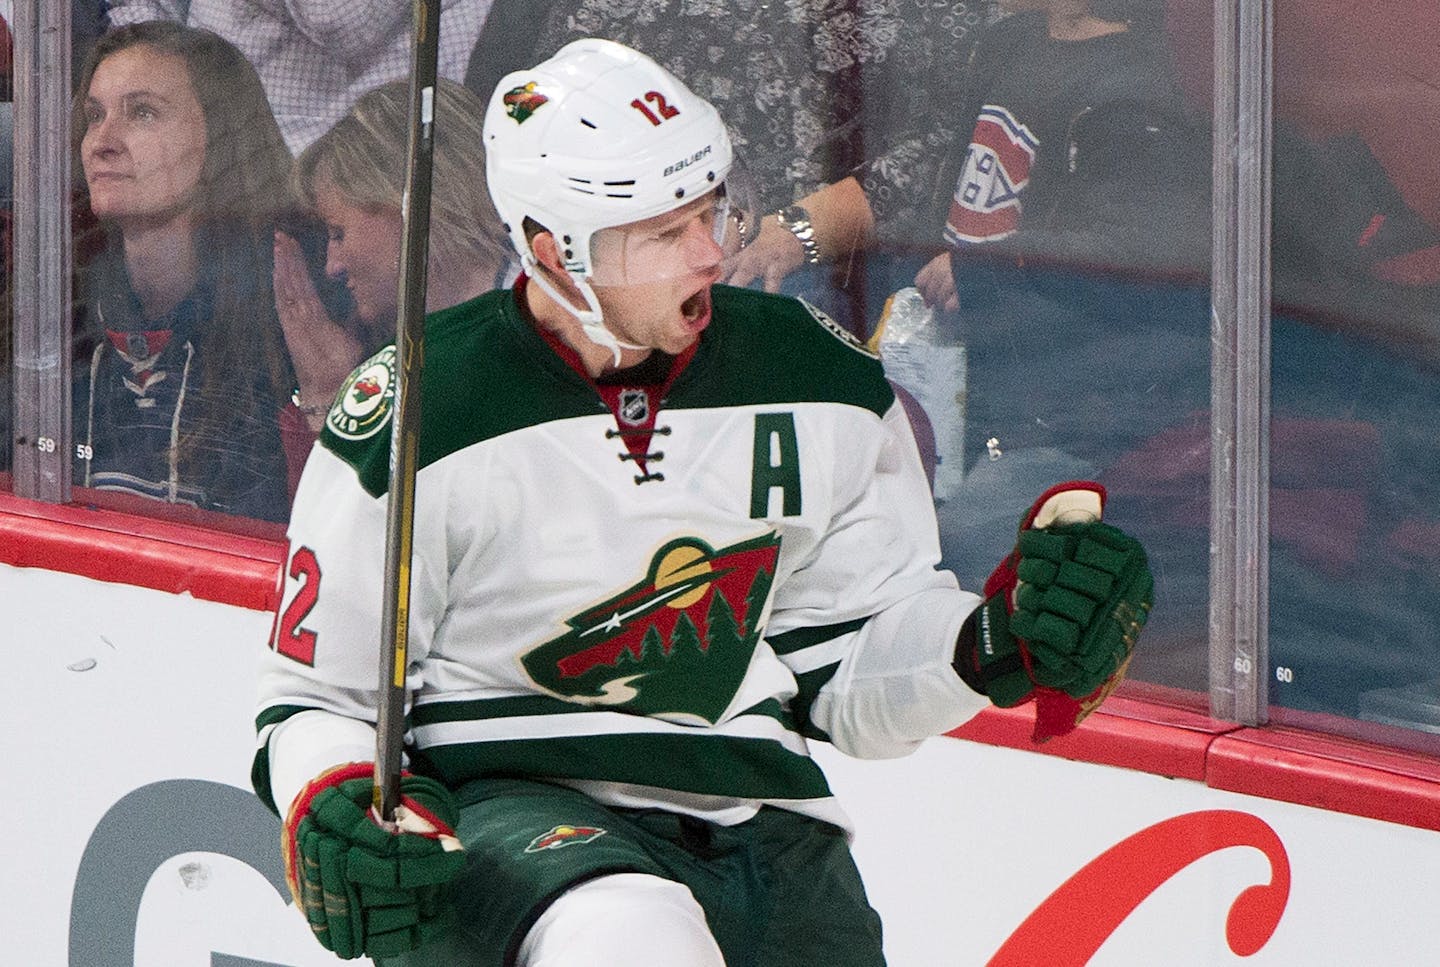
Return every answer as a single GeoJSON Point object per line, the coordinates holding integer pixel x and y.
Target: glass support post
{"type": "Point", "coordinates": [1240, 362]}
{"type": "Point", "coordinates": [42, 253]}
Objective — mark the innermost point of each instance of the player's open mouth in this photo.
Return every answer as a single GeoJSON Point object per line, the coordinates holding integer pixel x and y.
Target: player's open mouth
{"type": "Point", "coordinates": [696, 309]}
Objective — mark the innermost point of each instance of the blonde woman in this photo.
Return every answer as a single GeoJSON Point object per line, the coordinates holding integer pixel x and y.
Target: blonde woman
{"type": "Point", "coordinates": [352, 178]}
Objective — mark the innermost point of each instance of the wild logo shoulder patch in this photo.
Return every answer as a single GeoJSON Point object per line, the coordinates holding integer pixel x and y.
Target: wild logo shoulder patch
{"type": "Point", "coordinates": [366, 400]}
{"type": "Point", "coordinates": [838, 331]}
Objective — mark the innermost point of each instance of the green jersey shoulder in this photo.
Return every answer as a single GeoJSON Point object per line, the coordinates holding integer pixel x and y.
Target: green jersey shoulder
{"type": "Point", "coordinates": [487, 372]}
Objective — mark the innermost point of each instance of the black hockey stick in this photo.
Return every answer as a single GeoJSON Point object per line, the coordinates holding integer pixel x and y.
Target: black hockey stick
{"type": "Point", "coordinates": [405, 433]}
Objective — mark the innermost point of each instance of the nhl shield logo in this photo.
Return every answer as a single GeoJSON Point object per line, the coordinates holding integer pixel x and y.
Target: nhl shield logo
{"type": "Point", "coordinates": [634, 406]}
{"type": "Point", "coordinates": [138, 345]}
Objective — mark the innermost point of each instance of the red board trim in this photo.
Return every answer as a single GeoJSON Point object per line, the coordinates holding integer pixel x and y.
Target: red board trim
{"type": "Point", "coordinates": [1133, 735]}
{"type": "Point", "coordinates": [123, 549]}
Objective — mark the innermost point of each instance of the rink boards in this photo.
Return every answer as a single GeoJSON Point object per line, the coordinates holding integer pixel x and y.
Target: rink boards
{"type": "Point", "coordinates": [1151, 836]}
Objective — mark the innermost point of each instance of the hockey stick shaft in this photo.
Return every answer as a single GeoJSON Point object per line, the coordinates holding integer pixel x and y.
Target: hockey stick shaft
{"type": "Point", "coordinates": [405, 431]}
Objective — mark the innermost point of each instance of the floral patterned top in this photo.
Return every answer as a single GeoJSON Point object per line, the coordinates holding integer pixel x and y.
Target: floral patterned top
{"type": "Point", "coordinates": [812, 90]}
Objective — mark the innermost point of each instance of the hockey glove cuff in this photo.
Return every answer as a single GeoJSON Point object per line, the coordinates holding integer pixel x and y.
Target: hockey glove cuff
{"type": "Point", "coordinates": [1061, 613]}
{"type": "Point", "coordinates": [363, 889]}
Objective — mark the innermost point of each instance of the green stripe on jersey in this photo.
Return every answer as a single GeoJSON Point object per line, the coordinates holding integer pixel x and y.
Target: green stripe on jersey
{"type": "Point", "coordinates": [789, 642]}
{"type": "Point", "coordinates": [487, 373]}
{"type": "Point", "coordinates": [809, 685]}
{"type": "Point", "coordinates": [714, 765]}
{"type": "Point", "coordinates": [475, 710]}
{"type": "Point", "coordinates": [260, 767]}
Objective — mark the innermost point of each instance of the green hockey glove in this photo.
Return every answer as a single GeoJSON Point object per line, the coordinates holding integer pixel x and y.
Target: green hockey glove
{"type": "Point", "coordinates": [367, 891]}
{"type": "Point", "coordinates": [1061, 614]}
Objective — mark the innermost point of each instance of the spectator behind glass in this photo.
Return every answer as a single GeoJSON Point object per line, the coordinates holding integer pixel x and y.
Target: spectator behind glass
{"type": "Point", "coordinates": [353, 178]}
{"type": "Point", "coordinates": [836, 105]}
{"type": "Point", "coordinates": [1079, 140]}
{"type": "Point", "coordinates": [180, 368]}
{"type": "Point", "coordinates": [1078, 235]}
{"type": "Point", "coordinates": [316, 57]}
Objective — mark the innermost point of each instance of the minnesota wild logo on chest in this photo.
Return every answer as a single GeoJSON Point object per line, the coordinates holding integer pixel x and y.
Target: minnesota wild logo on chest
{"type": "Point", "coordinates": [676, 643]}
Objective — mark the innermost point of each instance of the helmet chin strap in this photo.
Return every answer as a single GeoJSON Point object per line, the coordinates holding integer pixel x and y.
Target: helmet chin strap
{"type": "Point", "coordinates": [591, 319]}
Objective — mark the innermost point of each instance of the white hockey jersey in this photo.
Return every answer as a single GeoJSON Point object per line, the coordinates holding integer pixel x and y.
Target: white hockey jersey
{"type": "Point", "coordinates": [659, 599]}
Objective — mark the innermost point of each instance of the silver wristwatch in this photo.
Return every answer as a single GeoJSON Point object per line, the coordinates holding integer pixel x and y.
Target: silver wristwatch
{"type": "Point", "coordinates": [796, 220]}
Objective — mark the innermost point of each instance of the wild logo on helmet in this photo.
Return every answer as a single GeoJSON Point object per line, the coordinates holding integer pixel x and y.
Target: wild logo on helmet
{"type": "Point", "coordinates": [523, 101]}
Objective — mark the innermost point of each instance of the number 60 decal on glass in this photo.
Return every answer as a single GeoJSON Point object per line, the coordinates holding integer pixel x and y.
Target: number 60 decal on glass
{"type": "Point", "coordinates": [662, 106]}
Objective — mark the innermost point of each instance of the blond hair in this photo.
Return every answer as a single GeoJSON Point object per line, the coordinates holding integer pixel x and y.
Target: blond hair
{"type": "Point", "coordinates": [363, 158]}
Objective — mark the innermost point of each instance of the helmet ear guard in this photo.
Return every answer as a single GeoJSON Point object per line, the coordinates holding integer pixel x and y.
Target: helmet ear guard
{"type": "Point", "coordinates": [596, 137]}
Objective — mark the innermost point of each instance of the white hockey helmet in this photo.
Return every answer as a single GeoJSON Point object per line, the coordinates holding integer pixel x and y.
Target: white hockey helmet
{"type": "Point", "coordinates": [597, 136]}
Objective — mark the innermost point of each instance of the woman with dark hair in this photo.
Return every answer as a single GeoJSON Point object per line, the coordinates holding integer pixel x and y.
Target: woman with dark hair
{"type": "Point", "coordinates": [180, 364]}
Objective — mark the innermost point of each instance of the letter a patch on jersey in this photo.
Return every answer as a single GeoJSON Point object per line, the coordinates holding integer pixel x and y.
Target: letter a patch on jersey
{"type": "Point", "coordinates": [676, 644]}
{"type": "Point", "coordinates": [986, 205]}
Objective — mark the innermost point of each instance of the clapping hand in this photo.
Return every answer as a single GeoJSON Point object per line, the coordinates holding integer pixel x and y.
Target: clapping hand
{"type": "Point", "coordinates": [322, 352]}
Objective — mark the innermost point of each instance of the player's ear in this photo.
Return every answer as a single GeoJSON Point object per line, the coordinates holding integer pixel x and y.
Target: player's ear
{"type": "Point", "coordinates": [547, 253]}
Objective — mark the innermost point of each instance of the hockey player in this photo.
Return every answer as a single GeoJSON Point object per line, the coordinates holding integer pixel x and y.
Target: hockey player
{"type": "Point", "coordinates": [668, 532]}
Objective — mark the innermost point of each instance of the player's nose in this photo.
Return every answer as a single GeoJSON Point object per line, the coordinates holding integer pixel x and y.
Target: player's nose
{"type": "Point", "coordinates": [702, 250]}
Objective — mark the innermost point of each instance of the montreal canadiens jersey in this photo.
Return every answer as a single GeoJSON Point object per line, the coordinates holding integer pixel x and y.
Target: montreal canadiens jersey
{"type": "Point", "coordinates": [659, 599]}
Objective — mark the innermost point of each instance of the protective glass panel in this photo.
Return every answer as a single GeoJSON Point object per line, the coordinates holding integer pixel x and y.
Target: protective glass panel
{"type": "Point", "coordinates": [180, 373]}
{"type": "Point", "coordinates": [1036, 199]}
{"type": "Point", "coordinates": [1028, 196]}
{"type": "Point", "coordinates": [1068, 277]}
{"type": "Point", "coordinates": [7, 199]}
{"type": "Point", "coordinates": [237, 243]}
{"type": "Point", "coordinates": [1355, 460]}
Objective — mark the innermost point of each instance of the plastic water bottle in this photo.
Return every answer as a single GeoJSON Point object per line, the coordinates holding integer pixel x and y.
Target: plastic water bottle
{"type": "Point", "coordinates": [929, 363]}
